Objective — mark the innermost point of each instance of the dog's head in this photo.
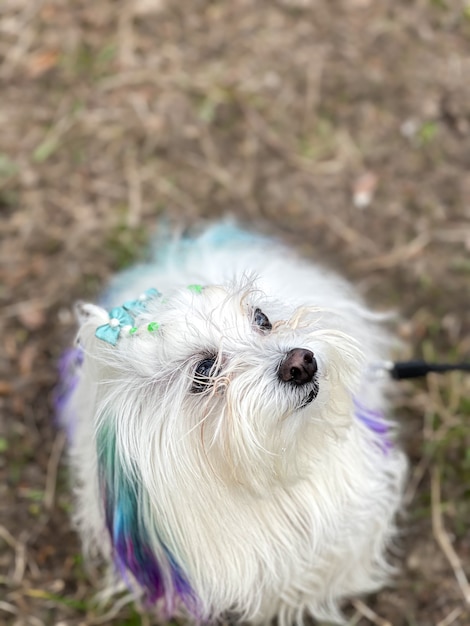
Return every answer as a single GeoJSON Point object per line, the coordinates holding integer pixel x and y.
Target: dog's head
{"type": "Point", "coordinates": [202, 400]}
{"type": "Point", "coordinates": [220, 380]}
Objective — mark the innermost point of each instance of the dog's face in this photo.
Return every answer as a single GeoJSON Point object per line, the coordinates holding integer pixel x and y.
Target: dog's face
{"type": "Point", "coordinates": [225, 380]}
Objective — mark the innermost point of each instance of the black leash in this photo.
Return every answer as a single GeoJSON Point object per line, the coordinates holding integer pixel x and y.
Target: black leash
{"type": "Point", "coordinates": [401, 370]}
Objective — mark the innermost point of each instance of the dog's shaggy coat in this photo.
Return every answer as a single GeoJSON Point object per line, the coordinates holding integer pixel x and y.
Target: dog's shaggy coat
{"type": "Point", "coordinates": [229, 450]}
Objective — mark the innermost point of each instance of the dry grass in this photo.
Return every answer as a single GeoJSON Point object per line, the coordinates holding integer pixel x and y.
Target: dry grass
{"type": "Point", "coordinates": [343, 126]}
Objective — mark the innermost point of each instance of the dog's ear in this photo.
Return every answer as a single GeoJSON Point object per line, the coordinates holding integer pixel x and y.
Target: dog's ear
{"type": "Point", "coordinates": [85, 312]}
{"type": "Point", "coordinates": [89, 317]}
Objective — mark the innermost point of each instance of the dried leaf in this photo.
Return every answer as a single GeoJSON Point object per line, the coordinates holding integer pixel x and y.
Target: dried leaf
{"type": "Point", "coordinates": [32, 317]}
{"type": "Point", "coordinates": [42, 62]}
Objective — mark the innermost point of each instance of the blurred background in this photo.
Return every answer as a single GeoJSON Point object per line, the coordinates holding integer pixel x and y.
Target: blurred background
{"type": "Point", "coordinates": [342, 127]}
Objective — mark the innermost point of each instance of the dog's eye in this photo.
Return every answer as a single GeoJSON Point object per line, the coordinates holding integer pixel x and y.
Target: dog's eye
{"type": "Point", "coordinates": [203, 375]}
{"type": "Point", "coordinates": [261, 320]}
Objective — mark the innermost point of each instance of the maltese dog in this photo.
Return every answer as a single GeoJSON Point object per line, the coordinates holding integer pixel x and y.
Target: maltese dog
{"type": "Point", "coordinates": [229, 446]}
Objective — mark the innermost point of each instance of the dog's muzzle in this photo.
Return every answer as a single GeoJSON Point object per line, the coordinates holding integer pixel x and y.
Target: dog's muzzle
{"type": "Point", "coordinates": [298, 369]}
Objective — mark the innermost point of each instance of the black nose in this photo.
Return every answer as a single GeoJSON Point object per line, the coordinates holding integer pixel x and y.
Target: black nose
{"type": "Point", "coordinates": [299, 367]}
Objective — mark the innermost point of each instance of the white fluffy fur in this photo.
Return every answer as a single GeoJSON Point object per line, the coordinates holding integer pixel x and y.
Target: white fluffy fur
{"type": "Point", "coordinates": [270, 510]}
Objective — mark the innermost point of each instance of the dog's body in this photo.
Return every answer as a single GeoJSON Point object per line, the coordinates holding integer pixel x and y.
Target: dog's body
{"type": "Point", "coordinates": [230, 453]}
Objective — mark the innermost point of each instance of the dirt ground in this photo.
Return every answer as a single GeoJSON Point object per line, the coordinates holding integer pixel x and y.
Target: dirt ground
{"type": "Point", "coordinates": [341, 126]}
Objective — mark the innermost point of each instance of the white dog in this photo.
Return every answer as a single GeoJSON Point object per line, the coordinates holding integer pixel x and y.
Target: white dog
{"type": "Point", "coordinates": [230, 451]}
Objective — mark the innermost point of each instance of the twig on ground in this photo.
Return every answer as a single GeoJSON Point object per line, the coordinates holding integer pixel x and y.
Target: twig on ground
{"type": "Point", "coordinates": [20, 554]}
{"type": "Point", "coordinates": [12, 310]}
{"type": "Point", "coordinates": [126, 36]}
{"type": "Point", "coordinates": [20, 562]}
{"type": "Point", "coordinates": [450, 619]}
{"type": "Point", "coordinates": [313, 89]}
{"type": "Point", "coordinates": [396, 256]}
{"type": "Point", "coordinates": [52, 469]}
{"type": "Point", "coordinates": [416, 477]}
{"type": "Point", "coordinates": [8, 538]}
{"type": "Point", "coordinates": [367, 612]}
{"type": "Point", "coordinates": [134, 189]}
{"type": "Point", "coordinates": [349, 235]}
{"type": "Point", "coordinates": [113, 612]}
{"type": "Point", "coordinates": [26, 35]}
{"type": "Point", "coordinates": [355, 619]}
{"type": "Point", "coordinates": [442, 537]}
{"type": "Point", "coordinates": [8, 608]}
{"type": "Point", "coordinates": [278, 144]}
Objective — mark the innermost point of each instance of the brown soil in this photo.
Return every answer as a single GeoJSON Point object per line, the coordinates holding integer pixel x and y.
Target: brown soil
{"type": "Point", "coordinates": [342, 126]}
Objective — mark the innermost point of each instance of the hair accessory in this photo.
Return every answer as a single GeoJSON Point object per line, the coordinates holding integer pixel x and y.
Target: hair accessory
{"type": "Point", "coordinates": [122, 318]}
{"type": "Point", "coordinates": [119, 318]}
{"type": "Point", "coordinates": [195, 288]}
{"type": "Point", "coordinates": [153, 326]}
{"type": "Point", "coordinates": [135, 306]}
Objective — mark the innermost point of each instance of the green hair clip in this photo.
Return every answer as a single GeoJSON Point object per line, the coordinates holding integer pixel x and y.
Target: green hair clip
{"type": "Point", "coordinates": [195, 288]}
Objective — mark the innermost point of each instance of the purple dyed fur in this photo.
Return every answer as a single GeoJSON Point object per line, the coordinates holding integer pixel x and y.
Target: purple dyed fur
{"type": "Point", "coordinates": [376, 422]}
{"type": "Point", "coordinates": [68, 366]}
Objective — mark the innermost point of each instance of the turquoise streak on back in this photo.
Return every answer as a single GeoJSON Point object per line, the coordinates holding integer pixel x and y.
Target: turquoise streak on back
{"type": "Point", "coordinates": [123, 504]}
{"type": "Point", "coordinates": [165, 248]}
{"type": "Point", "coordinates": [168, 250]}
